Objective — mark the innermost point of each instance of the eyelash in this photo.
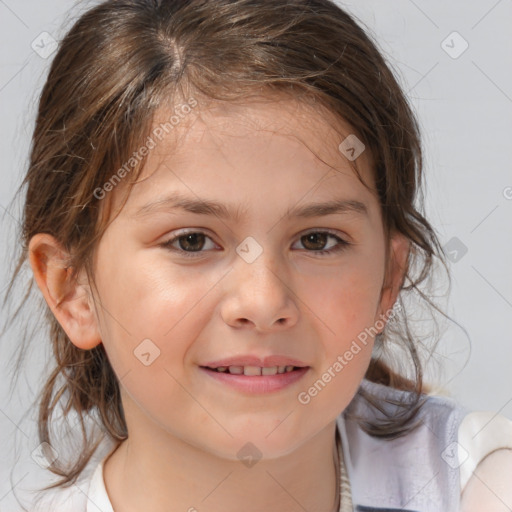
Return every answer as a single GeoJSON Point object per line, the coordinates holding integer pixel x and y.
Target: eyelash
{"type": "Point", "coordinates": [342, 244]}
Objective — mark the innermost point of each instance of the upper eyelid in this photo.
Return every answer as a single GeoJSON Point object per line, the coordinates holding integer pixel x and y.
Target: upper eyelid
{"type": "Point", "coordinates": [203, 231]}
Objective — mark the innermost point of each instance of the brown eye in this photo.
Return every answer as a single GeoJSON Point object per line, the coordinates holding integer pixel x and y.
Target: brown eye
{"type": "Point", "coordinates": [191, 242]}
{"type": "Point", "coordinates": [316, 241]}
{"type": "Point", "coordinates": [187, 244]}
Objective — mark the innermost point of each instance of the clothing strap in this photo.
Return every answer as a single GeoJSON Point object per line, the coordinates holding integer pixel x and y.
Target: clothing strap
{"type": "Point", "coordinates": [344, 498]}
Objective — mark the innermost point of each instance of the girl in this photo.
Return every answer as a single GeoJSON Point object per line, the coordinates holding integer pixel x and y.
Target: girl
{"type": "Point", "coordinates": [220, 215]}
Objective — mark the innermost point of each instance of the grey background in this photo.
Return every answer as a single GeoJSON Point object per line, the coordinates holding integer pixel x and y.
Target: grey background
{"type": "Point", "coordinates": [464, 103]}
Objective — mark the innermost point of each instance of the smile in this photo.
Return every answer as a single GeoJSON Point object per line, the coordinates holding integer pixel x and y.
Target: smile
{"type": "Point", "coordinates": [254, 370]}
{"type": "Point", "coordinates": [256, 379]}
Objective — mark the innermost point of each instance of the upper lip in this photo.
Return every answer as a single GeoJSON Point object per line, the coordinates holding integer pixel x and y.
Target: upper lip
{"type": "Point", "coordinates": [248, 360]}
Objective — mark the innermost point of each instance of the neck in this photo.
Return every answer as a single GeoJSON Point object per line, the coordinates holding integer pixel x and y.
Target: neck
{"type": "Point", "coordinates": [159, 472]}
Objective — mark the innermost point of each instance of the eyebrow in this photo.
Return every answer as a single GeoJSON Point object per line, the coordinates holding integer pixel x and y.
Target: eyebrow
{"type": "Point", "coordinates": [177, 201]}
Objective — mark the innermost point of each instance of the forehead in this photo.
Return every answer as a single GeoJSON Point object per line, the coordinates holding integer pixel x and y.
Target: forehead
{"type": "Point", "coordinates": [303, 120]}
{"type": "Point", "coordinates": [230, 143]}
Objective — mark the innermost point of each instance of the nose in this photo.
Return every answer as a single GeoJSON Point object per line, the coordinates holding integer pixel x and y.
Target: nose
{"type": "Point", "coordinates": [259, 296]}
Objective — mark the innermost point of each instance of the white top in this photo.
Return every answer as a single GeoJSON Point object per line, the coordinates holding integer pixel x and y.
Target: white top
{"type": "Point", "coordinates": [98, 497]}
{"type": "Point", "coordinates": [375, 473]}
{"type": "Point", "coordinates": [471, 450]}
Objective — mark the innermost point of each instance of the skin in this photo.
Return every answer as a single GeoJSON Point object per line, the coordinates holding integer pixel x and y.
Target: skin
{"type": "Point", "coordinates": [490, 485]}
{"type": "Point", "coordinates": [185, 429]}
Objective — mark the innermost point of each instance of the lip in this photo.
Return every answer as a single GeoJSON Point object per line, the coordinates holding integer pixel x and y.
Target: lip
{"type": "Point", "coordinates": [250, 360]}
{"type": "Point", "coordinates": [257, 384]}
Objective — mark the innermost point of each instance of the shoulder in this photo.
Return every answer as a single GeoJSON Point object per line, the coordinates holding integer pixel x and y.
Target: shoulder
{"type": "Point", "coordinates": [72, 498]}
{"type": "Point", "coordinates": [490, 485]}
{"type": "Point", "coordinates": [87, 494]}
{"type": "Point", "coordinates": [452, 452]}
{"type": "Point", "coordinates": [418, 467]}
{"type": "Point", "coordinates": [485, 450]}
{"type": "Point", "coordinates": [438, 414]}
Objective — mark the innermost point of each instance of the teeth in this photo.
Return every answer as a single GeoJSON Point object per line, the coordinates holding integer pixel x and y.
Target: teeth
{"type": "Point", "coordinates": [255, 370]}
{"type": "Point", "coordinates": [252, 370]}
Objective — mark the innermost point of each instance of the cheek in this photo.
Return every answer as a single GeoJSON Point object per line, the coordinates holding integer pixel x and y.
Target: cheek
{"type": "Point", "coordinates": [347, 304]}
{"type": "Point", "coordinates": [348, 299]}
{"type": "Point", "coordinates": [151, 306]}
{"type": "Point", "coordinates": [151, 317]}
{"type": "Point", "coordinates": [346, 308]}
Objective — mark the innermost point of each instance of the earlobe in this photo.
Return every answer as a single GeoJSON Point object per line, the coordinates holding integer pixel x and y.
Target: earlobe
{"type": "Point", "coordinates": [395, 272]}
{"type": "Point", "coordinates": [69, 299]}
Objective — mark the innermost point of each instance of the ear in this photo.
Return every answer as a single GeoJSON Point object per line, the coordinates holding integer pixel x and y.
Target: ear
{"type": "Point", "coordinates": [69, 299]}
{"type": "Point", "coordinates": [397, 260]}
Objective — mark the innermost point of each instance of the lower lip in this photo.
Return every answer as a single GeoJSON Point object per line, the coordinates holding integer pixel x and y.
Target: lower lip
{"type": "Point", "coordinates": [257, 383]}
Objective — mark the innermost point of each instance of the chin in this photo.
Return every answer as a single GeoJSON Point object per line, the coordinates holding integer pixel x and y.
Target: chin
{"type": "Point", "coordinates": [261, 440]}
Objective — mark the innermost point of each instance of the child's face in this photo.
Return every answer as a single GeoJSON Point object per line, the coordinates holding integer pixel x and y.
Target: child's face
{"type": "Point", "coordinates": [220, 302]}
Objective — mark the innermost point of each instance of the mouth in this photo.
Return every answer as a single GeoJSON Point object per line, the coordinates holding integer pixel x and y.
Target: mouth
{"type": "Point", "coordinates": [255, 380]}
{"type": "Point", "coordinates": [253, 370]}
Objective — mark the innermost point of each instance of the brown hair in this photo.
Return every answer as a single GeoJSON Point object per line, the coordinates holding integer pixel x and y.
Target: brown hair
{"type": "Point", "coordinates": [118, 64]}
